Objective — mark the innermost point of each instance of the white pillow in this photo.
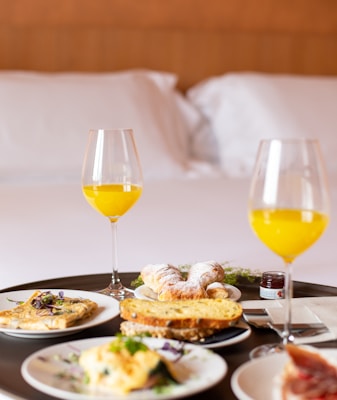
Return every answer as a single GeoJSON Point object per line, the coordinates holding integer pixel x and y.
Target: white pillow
{"type": "Point", "coordinates": [45, 119]}
{"type": "Point", "coordinates": [244, 108]}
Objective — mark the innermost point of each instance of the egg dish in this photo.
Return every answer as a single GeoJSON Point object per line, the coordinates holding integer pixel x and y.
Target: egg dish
{"type": "Point", "coordinates": [125, 364]}
{"type": "Point", "coordinates": [47, 311]}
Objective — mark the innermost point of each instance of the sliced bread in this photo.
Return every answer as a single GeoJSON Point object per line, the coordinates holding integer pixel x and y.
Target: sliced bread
{"type": "Point", "coordinates": [129, 328]}
{"type": "Point", "coordinates": [201, 313]}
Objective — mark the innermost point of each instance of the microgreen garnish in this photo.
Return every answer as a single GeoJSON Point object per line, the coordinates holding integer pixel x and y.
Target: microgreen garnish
{"type": "Point", "coordinates": [163, 378]}
{"type": "Point", "coordinates": [132, 345]}
{"type": "Point", "coordinates": [18, 302]}
{"type": "Point", "coordinates": [178, 349]}
{"type": "Point", "coordinates": [46, 300]}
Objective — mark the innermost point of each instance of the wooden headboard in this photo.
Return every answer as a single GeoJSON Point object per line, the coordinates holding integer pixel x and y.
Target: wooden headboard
{"type": "Point", "coordinates": [193, 38]}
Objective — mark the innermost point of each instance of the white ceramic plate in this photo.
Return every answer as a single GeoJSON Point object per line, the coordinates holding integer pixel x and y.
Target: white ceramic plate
{"type": "Point", "coordinates": [49, 372]}
{"type": "Point", "coordinates": [254, 379]}
{"type": "Point", "coordinates": [144, 292]}
{"type": "Point", "coordinates": [229, 342]}
{"type": "Point", "coordinates": [108, 308]}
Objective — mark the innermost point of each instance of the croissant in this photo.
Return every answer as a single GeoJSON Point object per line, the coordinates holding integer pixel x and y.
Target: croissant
{"type": "Point", "coordinates": [168, 282]}
{"type": "Point", "coordinates": [156, 276]}
{"type": "Point", "coordinates": [216, 290]}
{"type": "Point", "coordinates": [206, 273]}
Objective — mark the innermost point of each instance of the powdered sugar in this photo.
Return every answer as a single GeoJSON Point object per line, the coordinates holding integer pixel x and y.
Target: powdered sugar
{"type": "Point", "coordinates": [168, 282]}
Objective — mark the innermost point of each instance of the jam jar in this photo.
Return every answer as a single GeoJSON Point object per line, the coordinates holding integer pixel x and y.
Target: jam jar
{"type": "Point", "coordinates": [272, 285]}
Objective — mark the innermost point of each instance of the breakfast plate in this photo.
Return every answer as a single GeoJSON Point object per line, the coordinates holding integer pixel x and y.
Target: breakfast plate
{"type": "Point", "coordinates": [227, 337]}
{"type": "Point", "coordinates": [108, 308]}
{"type": "Point", "coordinates": [55, 372]}
{"type": "Point", "coordinates": [255, 379]}
{"type": "Point", "coordinates": [144, 292]}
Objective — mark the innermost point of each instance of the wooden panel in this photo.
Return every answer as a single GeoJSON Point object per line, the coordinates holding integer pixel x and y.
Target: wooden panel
{"type": "Point", "coordinates": [194, 38]}
{"type": "Point", "coordinates": [243, 15]}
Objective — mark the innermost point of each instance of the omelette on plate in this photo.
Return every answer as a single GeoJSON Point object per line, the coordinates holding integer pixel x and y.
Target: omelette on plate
{"type": "Point", "coordinates": [126, 364]}
{"type": "Point", "coordinates": [47, 311]}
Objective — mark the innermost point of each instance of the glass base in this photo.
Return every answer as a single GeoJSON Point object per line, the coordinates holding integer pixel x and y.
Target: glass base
{"type": "Point", "coordinates": [266, 349]}
{"type": "Point", "coordinates": [118, 292]}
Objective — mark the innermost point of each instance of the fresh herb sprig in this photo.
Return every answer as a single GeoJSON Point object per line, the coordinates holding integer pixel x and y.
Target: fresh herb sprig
{"type": "Point", "coordinates": [46, 300]}
{"type": "Point", "coordinates": [132, 345]}
{"type": "Point", "coordinates": [235, 275]}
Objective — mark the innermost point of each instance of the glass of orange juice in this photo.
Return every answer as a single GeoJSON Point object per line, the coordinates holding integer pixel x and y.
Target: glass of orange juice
{"type": "Point", "coordinates": [288, 208]}
{"type": "Point", "coordinates": [112, 183]}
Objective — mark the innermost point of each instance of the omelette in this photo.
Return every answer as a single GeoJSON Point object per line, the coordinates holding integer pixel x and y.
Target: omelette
{"type": "Point", "coordinates": [125, 364]}
{"type": "Point", "coordinates": [47, 311]}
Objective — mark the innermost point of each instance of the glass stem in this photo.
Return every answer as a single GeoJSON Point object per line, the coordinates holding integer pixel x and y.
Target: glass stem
{"type": "Point", "coordinates": [287, 336]}
{"type": "Point", "coordinates": [115, 280]}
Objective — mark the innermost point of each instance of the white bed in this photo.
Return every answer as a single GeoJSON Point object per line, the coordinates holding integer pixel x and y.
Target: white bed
{"type": "Point", "coordinates": [197, 152]}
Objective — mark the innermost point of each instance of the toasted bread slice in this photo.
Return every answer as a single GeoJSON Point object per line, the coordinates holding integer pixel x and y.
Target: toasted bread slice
{"type": "Point", "coordinates": [45, 311]}
{"type": "Point", "coordinates": [201, 313]}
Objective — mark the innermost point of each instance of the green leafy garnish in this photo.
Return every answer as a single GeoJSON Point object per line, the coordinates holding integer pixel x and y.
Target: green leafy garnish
{"type": "Point", "coordinates": [137, 282]}
{"type": "Point", "coordinates": [132, 345]}
{"type": "Point", "coordinates": [17, 302]}
{"type": "Point", "coordinates": [164, 378]}
{"type": "Point", "coordinates": [233, 275]}
{"type": "Point", "coordinates": [46, 300]}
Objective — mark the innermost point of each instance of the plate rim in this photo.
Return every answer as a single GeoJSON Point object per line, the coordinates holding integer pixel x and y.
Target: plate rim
{"type": "Point", "coordinates": [93, 321]}
{"type": "Point", "coordinates": [50, 390]}
{"type": "Point", "coordinates": [229, 342]}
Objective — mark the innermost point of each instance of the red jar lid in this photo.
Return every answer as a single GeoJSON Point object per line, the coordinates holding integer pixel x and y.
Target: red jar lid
{"type": "Point", "coordinates": [273, 280]}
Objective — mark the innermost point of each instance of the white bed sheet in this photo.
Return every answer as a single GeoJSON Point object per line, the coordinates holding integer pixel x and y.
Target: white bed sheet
{"type": "Point", "coordinates": [48, 230]}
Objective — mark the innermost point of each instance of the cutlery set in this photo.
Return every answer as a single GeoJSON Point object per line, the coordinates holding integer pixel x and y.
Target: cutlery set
{"type": "Point", "coordinates": [263, 321]}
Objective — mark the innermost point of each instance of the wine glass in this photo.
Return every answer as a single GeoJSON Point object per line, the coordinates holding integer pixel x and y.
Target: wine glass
{"type": "Point", "coordinates": [112, 183]}
{"type": "Point", "coordinates": [288, 208]}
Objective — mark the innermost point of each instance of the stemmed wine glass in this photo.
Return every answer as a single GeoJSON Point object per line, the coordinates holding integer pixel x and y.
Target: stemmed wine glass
{"type": "Point", "coordinates": [288, 208]}
{"type": "Point", "coordinates": [112, 183]}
